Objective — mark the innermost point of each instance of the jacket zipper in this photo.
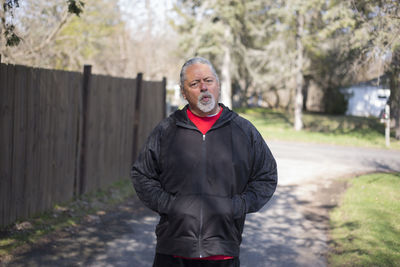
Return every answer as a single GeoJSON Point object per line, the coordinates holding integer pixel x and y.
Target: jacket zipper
{"type": "Point", "coordinates": [200, 236]}
{"type": "Point", "coordinates": [201, 203]}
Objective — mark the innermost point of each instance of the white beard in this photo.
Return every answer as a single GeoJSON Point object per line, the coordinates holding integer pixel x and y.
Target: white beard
{"type": "Point", "coordinates": [207, 107]}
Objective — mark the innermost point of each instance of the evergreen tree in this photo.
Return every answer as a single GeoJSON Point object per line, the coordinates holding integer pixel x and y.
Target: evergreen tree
{"type": "Point", "coordinates": [214, 29]}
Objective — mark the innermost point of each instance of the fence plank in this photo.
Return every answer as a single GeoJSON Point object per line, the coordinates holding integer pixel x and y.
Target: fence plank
{"type": "Point", "coordinates": [70, 131]}
{"type": "Point", "coordinates": [91, 146]}
{"type": "Point", "coordinates": [125, 157]}
{"type": "Point", "coordinates": [37, 196]}
{"type": "Point", "coordinates": [150, 115]}
{"type": "Point", "coordinates": [52, 138]}
{"type": "Point", "coordinates": [164, 97]}
{"type": "Point", "coordinates": [30, 168]}
{"type": "Point", "coordinates": [58, 150]}
{"type": "Point", "coordinates": [44, 136]}
{"type": "Point", "coordinates": [6, 140]}
{"type": "Point", "coordinates": [51, 161]}
{"type": "Point", "coordinates": [10, 198]}
{"type": "Point", "coordinates": [57, 125]}
{"type": "Point", "coordinates": [112, 129]}
{"type": "Point", "coordinates": [18, 186]}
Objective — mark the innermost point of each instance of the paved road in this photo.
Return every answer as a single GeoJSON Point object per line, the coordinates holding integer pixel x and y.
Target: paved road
{"type": "Point", "coordinates": [289, 231]}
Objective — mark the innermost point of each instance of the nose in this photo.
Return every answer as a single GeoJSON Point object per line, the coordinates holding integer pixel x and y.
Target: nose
{"type": "Point", "coordinates": [203, 86]}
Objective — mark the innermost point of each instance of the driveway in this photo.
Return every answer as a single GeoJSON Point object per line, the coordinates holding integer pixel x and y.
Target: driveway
{"type": "Point", "coordinates": [289, 231]}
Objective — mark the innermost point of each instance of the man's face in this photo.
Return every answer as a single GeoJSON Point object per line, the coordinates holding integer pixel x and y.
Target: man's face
{"type": "Point", "coordinates": [201, 90]}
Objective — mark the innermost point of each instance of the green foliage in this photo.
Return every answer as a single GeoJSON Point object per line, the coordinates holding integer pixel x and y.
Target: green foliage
{"type": "Point", "coordinates": [341, 39]}
{"type": "Point", "coordinates": [207, 28]}
{"type": "Point", "coordinates": [202, 25]}
{"type": "Point", "coordinates": [12, 39]}
{"type": "Point", "coordinates": [365, 228]}
{"type": "Point", "coordinates": [75, 7]}
{"type": "Point", "coordinates": [335, 102]}
{"type": "Point", "coordinates": [319, 128]}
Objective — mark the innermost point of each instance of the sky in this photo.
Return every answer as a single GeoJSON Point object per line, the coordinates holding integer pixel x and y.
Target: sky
{"type": "Point", "coordinates": [136, 14]}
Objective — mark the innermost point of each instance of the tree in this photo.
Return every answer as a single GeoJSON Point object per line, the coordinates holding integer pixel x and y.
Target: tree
{"type": "Point", "coordinates": [153, 43]}
{"type": "Point", "coordinates": [117, 38]}
{"type": "Point", "coordinates": [286, 40]}
{"type": "Point", "coordinates": [394, 76]}
{"type": "Point", "coordinates": [381, 20]}
{"type": "Point", "coordinates": [52, 37]}
{"type": "Point", "coordinates": [214, 29]}
{"type": "Point", "coordinates": [280, 44]}
{"type": "Point", "coordinates": [7, 31]}
{"type": "Point", "coordinates": [372, 29]}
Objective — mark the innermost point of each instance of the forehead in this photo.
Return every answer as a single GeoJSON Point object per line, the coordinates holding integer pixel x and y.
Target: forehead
{"type": "Point", "coordinates": [197, 71]}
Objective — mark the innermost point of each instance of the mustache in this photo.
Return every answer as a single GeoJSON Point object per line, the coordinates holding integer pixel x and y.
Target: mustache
{"type": "Point", "coordinates": [205, 94]}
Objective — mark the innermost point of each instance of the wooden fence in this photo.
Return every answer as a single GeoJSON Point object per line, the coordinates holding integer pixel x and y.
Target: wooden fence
{"type": "Point", "coordinates": [63, 134]}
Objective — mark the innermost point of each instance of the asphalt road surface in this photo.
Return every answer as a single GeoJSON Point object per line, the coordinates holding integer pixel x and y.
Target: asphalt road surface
{"type": "Point", "coordinates": [289, 231]}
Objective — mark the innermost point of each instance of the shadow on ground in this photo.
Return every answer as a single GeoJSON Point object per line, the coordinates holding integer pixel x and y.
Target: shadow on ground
{"type": "Point", "coordinates": [289, 231]}
{"type": "Point", "coordinates": [122, 237]}
{"type": "Point", "coordinates": [281, 234]}
{"type": "Point", "coordinates": [285, 233]}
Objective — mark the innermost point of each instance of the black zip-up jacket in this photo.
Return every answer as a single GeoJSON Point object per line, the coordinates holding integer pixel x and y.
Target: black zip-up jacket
{"type": "Point", "coordinates": [202, 186]}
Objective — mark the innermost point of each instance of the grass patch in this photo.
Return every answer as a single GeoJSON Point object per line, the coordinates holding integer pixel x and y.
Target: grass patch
{"type": "Point", "coordinates": [365, 228]}
{"type": "Point", "coordinates": [320, 128]}
{"type": "Point", "coordinates": [63, 216]}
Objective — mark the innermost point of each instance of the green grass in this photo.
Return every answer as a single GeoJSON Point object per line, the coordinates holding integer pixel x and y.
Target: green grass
{"type": "Point", "coordinates": [319, 128]}
{"type": "Point", "coordinates": [62, 216]}
{"type": "Point", "coordinates": [365, 228]}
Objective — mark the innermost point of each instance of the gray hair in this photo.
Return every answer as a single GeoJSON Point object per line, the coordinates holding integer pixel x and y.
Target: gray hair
{"type": "Point", "coordinates": [193, 61]}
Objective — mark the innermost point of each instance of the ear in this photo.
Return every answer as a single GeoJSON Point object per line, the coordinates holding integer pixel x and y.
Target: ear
{"type": "Point", "coordinates": [183, 93]}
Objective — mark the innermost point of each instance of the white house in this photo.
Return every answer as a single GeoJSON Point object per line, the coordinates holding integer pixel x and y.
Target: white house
{"type": "Point", "coordinates": [366, 99]}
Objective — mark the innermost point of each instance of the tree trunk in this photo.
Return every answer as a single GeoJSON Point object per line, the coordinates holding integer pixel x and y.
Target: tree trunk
{"type": "Point", "coordinates": [394, 101]}
{"type": "Point", "coordinates": [396, 111]}
{"type": "Point", "coordinates": [298, 104]}
{"type": "Point", "coordinates": [226, 82]}
{"type": "Point", "coordinates": [306, 86]}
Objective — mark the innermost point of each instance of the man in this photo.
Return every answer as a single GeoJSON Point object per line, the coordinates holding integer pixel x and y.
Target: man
{"type": "Point", "coordinates": [202, 169]}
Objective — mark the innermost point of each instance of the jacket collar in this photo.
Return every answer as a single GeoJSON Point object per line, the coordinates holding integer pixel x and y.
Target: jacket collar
{"type": "Point", "coordinates": [182, 119]}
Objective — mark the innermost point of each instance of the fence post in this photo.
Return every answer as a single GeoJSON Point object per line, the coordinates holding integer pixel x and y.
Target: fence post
{"type": "Point", "coordinates": [136, 120]}
{"type": "Point", "coordinates": [164, 86]}
{"type": "Point", "coordinates": [80, 180]}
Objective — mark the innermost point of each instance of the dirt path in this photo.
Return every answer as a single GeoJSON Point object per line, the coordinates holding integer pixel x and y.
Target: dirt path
{"type": "Point", "coordinates": [290, 231]}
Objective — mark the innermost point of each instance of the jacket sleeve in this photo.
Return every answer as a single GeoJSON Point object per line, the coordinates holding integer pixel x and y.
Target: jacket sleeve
{"type": "Point", "coordinates": [145, 175]}
{"type": "Point", "coordinates": [262, 181]}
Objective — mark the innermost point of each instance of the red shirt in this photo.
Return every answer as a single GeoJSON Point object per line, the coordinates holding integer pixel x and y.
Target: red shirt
{"type": "Point", "coordinates": [204, 124]}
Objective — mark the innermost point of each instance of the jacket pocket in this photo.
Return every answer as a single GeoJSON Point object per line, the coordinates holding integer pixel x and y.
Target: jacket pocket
{"type": "Point", "coordinates": [182, 218]}
{"type": "Point", "coordinates": [218, 222]}
{"type": "Point", "coordinates": [238, 207]}
{"type": "Point", "coordinates": [162, 226]}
